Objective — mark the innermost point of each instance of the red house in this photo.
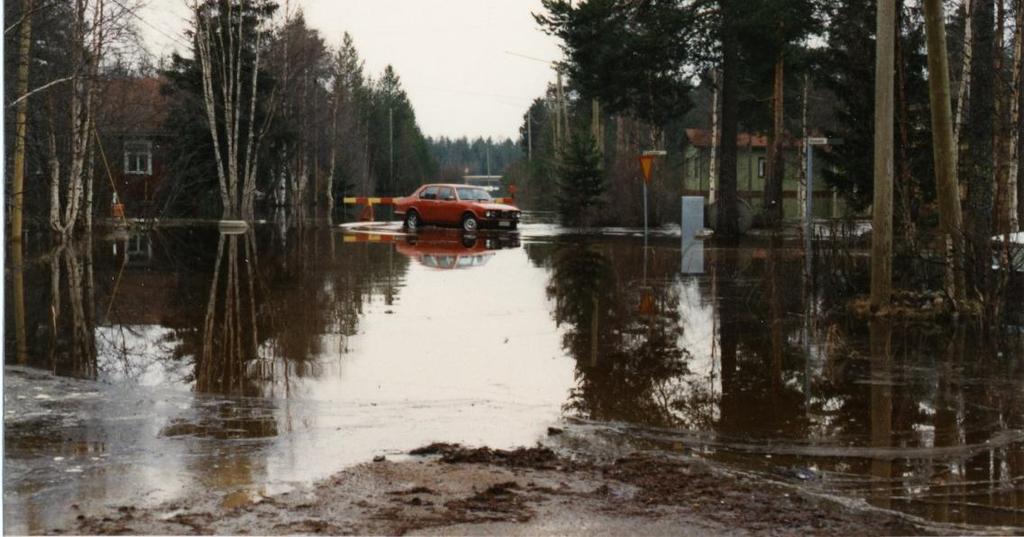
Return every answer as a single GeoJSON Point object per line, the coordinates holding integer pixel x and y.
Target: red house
{"type": "Point", "coordinates": [133, 149]}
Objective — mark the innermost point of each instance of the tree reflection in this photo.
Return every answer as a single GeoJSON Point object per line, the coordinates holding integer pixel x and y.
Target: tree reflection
{"type": "Point", "coordinates": [629, 364]}
{"type": "Point", "coordinates": [228, 361]}
{"type": "Point", "coordinates": [271, 319]}
{"type": "Point", "coordinates": [72, 342]}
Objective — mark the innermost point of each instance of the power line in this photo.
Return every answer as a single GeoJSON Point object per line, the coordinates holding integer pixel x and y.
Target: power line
{"type": "Point", "coordinates": [541, 60]}
{"type": "Point", "coordinates": [174, 38]}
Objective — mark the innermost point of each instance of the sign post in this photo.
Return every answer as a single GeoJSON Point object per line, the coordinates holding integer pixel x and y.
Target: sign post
{"type": "Point", "coordinates": [809, 144]}
{"type": "Point", "coordinates": [646, 166]}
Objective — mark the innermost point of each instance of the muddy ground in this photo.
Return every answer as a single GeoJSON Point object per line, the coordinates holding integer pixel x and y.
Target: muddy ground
{"type": "Point", "coordinates": [450, 490]}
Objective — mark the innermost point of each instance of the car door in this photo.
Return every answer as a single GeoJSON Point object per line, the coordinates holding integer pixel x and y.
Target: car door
{"type": "Point", "coordinates": [427, 204]}
{"type": "Point", "coordinates": [448, 211]}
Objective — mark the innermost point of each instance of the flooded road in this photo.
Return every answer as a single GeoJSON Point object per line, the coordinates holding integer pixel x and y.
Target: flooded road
{"type": "Point", "coordinates": [188, 360]}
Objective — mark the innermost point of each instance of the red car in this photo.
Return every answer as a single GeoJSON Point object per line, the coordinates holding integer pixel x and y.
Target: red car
{"type": "Point", "coordinates": [451, 204]}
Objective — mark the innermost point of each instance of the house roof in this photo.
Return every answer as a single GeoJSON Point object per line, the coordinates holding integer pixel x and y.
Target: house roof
{"type": "Point", "coordinates": [702, 138]}
{"type": "Point", "coordinates": [132, 107]}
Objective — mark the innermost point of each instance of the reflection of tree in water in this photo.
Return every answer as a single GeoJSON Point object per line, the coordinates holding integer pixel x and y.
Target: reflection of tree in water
{"type": "Point", "coordinates": [228, 360]}
{"type": "Point", "coordinates": [759, 307]}
{"type": "Point", "coordinates": [269, 315]}
{"type": "Point", "coordinates": [56, 324]}
{"type": "Point", "coordinates": [629, 365]}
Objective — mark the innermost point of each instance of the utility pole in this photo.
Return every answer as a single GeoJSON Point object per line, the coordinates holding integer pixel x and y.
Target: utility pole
{"type": "Point", "coordinates": [943, 145]}
{"type": "Point", "coordinates": [881, 222]}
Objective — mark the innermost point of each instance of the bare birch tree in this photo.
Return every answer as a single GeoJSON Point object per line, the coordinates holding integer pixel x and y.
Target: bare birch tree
{"type": "Point", "coordinates": [221, 45]}
{"type": "Point", "coordinates": [87, 39]}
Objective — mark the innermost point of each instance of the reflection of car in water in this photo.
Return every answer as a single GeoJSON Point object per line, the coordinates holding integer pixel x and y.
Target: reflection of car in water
{"type": "Point", "coordinates": [443, 249]}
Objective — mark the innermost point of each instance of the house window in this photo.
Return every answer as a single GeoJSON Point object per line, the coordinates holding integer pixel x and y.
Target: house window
{"type": "Point", "coordinates": [761, 165]}
{"type": "Point", "coordinates": [138, 158]}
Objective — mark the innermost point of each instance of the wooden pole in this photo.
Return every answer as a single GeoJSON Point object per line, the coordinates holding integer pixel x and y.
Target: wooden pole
{"type": "Point", "coordinates": [881, 237]}
{"type": "Point", "coordinates": [944, 148]}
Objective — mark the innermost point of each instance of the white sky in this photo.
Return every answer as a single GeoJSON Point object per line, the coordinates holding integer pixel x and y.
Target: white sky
{"type": "Point", "coordinates": [450, 54]}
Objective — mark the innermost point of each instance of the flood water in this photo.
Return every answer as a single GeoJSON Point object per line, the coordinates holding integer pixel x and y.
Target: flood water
{"type": "Point", "coordinates": [145, 367]}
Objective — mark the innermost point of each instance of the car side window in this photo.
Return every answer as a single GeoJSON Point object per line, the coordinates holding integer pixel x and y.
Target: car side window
{"type": "Point", "coordinates": [446, 193]}
{"type": "Point", "coordinates": [429, 193]}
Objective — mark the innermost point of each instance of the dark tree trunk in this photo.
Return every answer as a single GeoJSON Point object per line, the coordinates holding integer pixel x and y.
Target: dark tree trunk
{"type": "Point", "coordinates": [775, 163]}
{"type": "Point", "coordinates": [728, 214]}
{"type": "Point", "coordinates": [1020, 145]}
{"type": "Point", "coordinates": [906, 188]}
{"type": "Point", "coordinates": [978, 169]}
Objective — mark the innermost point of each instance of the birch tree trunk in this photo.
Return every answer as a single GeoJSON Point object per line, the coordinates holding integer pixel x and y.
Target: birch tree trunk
{"type": "Point", "coordinates": [945, 152]}
{"type": "Point", "coordinates": [964, 93]}
{"type": "Point", "coordinates": [333, 159]}
{"type": "Point", "coordinates": [86, 54]}
{"type": "Point", "coordinates": [223, 99]}
{"type": "Point", "coordinates": [716, 79]}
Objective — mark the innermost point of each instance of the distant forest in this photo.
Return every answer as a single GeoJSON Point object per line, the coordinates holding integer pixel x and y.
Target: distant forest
{"type": "Point", "coordinates": [480, 156]}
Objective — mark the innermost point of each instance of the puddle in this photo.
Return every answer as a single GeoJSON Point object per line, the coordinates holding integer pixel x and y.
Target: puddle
{"type": "Point", "coordinates": [185, 360]}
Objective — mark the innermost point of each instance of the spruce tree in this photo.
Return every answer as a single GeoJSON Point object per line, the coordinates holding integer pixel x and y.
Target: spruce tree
{"type": "Point", "coordinates": [581, 180]}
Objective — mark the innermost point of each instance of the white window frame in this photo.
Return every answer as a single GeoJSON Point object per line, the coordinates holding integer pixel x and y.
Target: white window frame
{"type": "Point", "coordinates": [133, 150]}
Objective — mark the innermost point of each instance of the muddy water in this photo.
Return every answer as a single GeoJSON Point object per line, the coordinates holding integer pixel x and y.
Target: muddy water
{"type": "Point", "coordinates": [144, 368]}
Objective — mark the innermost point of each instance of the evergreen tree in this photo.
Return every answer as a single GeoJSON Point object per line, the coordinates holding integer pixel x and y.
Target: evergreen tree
{"type": "Point", "coordinates": [581, 180]}
{"type": "Point", "coordinates": [847, 70]}
{"type": "Point", "coordinates": [631, 56]}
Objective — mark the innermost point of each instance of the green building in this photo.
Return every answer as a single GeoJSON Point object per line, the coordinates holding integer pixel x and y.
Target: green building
{"type": "Point", "coordinates": [751, 169]}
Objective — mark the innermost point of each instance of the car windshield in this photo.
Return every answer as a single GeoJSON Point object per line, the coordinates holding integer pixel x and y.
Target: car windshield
{"type": "Point", "coordinates": [473, 194]}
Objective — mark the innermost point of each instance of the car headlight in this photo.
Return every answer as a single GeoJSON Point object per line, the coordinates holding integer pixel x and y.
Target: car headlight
{"type": "Point", "coordinates": [489, 214]}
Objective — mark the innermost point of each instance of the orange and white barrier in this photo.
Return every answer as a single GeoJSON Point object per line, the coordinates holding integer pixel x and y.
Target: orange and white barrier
{"type": "Point", "coordinates": [369, 201]}
{"type": "Point", "coordinates": [370, 237]}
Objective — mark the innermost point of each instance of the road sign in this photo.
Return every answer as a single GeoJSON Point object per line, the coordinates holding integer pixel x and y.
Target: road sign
{"type": "Point", "coordinates": [817, 141]}
{"type": "Point", "coordinates": [655, 152]}
{"type": "Point", "coordinates": [646, 163]}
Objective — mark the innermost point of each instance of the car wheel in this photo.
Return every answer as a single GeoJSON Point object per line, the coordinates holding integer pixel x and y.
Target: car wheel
{"type": "Point", "coordinates": [412, 220]}
{"type": "Point", "coordinates": [470, 223]}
